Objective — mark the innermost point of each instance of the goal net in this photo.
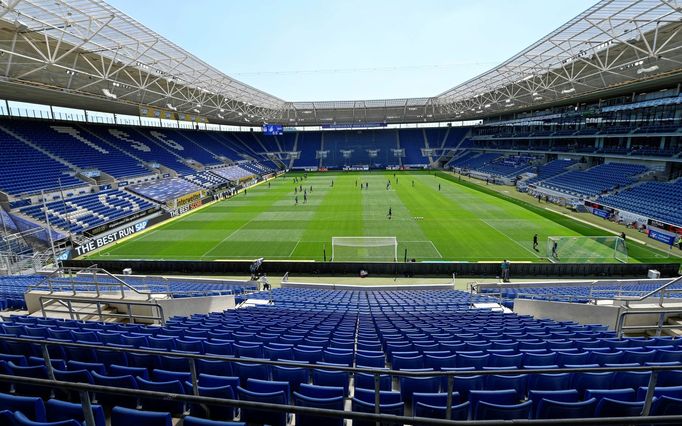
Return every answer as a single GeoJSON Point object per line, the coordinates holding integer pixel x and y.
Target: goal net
{"type": "Point", "coordinates": [587, 249]}
{"type": "Point", "coordinates": [373, 249]}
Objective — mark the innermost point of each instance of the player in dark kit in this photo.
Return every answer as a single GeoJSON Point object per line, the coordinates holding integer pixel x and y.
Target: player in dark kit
{"type": "Point", "coordinates": [390, 212]}
{"type": "Point", "coordinates": [535, 242]}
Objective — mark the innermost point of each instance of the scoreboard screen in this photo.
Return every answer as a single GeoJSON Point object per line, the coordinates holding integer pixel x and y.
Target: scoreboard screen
{"type": "Point", "coordinates": [272, 129]}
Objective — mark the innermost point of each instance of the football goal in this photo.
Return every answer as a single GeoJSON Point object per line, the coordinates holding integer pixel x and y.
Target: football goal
{"type": "Point", "coordinates": [587, 249]}
{"type": "Point", "coordinates": [358, 249]}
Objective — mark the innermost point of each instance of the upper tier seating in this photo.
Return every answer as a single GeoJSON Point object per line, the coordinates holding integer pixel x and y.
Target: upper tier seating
{"type": "Point", "coordinates": [79, 147]}
{"type": "Point", "coordinates": [19, 161]}
{"type": "Point", "coordinates": [594, 181]}
{"type": "Point", "coordinates": [165, 189]}
{"type": "Point", "coordinates": [657, 200]}
{"type": "Point", "coordinates": [89, 211]}
{"type": "Point", "coordinates": [473, 162]}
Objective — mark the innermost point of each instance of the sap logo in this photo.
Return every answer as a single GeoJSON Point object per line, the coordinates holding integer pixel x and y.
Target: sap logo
{"type": "Point", "coordinates": [140, 226]}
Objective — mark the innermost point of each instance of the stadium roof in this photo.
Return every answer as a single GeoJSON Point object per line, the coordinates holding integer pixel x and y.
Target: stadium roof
{"type": "Point", "coordinates": [88, 54]}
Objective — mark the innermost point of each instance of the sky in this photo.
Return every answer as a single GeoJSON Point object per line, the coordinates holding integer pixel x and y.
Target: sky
{"type": "Point", "coordinates": [316, 50]}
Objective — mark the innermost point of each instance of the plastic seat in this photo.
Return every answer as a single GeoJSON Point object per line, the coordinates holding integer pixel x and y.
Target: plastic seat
{"type": "Point", "coordinates": [340, 358]}
{"type": "Point", "coordinates": [549, 409]}
{"type": "Point", "coordinates": [531, 359]}
{"type": "Point", "coordinates": [336, 403]}
{"type": "Point", "coordinates": [61, 410]}
{"type": "Point", "coordinates": [121, 416]}
{"type": "Point", "coordinates": [364, 407]}
{"type": "Point", "coordinates": [216, 412]}
{"type": "Point", "coordinates": [625, 394]}
{"type": "Point", "coordinates": [583, 381]}
{"type": "Point", "coordinates": [505, 397]}
{"type": "Point", "coordinates": [457, 412]}
{"type": "Point", "coordinates": [254, 415]}
{"type": "Point", "coordinates": [659, 391]}
{"type": "Point", "coordinates": [564, 395]}
{"type": "Point", "coordinates": [366, 381]}
{"type": "Point", "coordinates": [489, 411]}
{"type": "Point", "coordinates": [267, 386]}
{"type": "Point", "coordinates": [518, 382]}
{"type": "Point", "coordinates": [171, 386]}
{"type": "Point", "coordinates": [414, 362]}
{"type": "Point", "coordinates": [410, 385]}
{"type": "Point", "coordinates": [36, 372]}
{"type": "Point", "coordinates": [256, 371]}
{"type": "Point", "coordinates": [196, 421]}
{"type": "Point", "coordinates": [549, 381]}
{"type": "Point", "coordinates": [332, 378]}
{"type": "Point", "coordinates": [96, 367]}
{"type": "Point", "coordinates": [439, 362]}
{"type": "Point", "coordinates": [122, 370]}
{"type": "Point", "coordinates": [476, 361]}
{"type": "Point", "coordinates": [608, 407]}
{"type": "Point", "coordinates": [110, 400]}
{"type": "Point", "coordinates": [19, 419]}
{"type": "Point", "coordinates": [315, 391]}
{"type": "Point", "coordinates": [501, 360]}
{"type": "Point", "coordinates": [32, 406]}
{"type": "Point", "coordinates": [377, 361]}
{"type": "Point", "coordinates": [667, 406]}
{"type": "Point", "coordinates": [631, 379]}
{"type": "Point", "coordinates": [294, 375]}
{"type": "Point", "coordinates": [385, 397]}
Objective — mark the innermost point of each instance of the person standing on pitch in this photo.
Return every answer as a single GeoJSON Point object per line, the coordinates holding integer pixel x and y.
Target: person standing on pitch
{"type": "Point", "coordinates": [439, 186]}
{"type": "Point", "coordinates": [390, 213]}
{"type": "Point", "coordinates": [535, 242]}
{"type": "Point", "coordinates": [305, 198]}
{"type": "Point", "coordinates": [412, 183]}
{"type": "Point", "coordinates": [296, 200]}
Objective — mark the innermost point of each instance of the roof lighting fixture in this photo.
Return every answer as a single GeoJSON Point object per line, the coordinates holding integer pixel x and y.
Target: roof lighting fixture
{"type": "Point", "coordinates": [171, 107]}
{"type": "Point", "coordinates": [647, 70]}
{"type": "Point", "coordinates": [571, 90]}
{"type": "Point", "coordinates": [108, 94]}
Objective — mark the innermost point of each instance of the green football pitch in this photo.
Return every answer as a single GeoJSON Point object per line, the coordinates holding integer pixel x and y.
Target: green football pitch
{"type": "Point", "coordinates": [433, 218]}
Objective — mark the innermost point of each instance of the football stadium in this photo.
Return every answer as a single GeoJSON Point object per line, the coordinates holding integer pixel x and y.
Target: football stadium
{"type": "Point", "coordinates": [181, 246]}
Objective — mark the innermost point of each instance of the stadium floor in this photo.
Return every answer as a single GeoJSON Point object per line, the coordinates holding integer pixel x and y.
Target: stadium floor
{"type": "Point", "coordinates": [453, 223]}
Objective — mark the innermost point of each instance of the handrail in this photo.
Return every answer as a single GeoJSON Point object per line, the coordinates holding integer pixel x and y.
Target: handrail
{"type": "Point", "coordinates": [661, 312]}
{"type": "Point", "coordinates": [659, 289]}
{"type": "Point", "coordinates": [69, 299]}
{"type": "Point", "coordinates": [376, 372]}
{"type": "Point", "coordinates": [84, 389]}
{"type": "Point", "coordinates": [382, 371]}
{"type": "Point", "coordinates": [94, 270]}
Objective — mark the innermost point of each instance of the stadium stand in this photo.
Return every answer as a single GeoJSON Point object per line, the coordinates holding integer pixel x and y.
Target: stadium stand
{"type": "Point", "coordinates": [410, 330]}
{"type": "Point", "coordinates": [165, 190]}
{"type": "Point", "coordinates": [206, 179]}
{"type": "Point", "coordinates": [233, 173]}
{"type": "Point", "coordinates": [658, 200]}
{"type": "Point", "coordinates": [84, 212]}
{"type": "Point", "coordinates": [78, 147]}
{"type": "Point", "coordinates": [551, 169]}
{"type": "Point", "coordinates": [596, 180]}
{"type": "Point", "coordinates": [473, 162]}
{"type": "Point", "coordinates": [507, 166]}
{"type": "Point", "coordinates": [45, 171]}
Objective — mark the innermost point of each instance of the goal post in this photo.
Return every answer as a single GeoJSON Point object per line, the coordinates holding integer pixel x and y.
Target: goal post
{"type": "Point", "coordinates": [358, 249]}
{"type": "Point", "coordinates": [587, 249]}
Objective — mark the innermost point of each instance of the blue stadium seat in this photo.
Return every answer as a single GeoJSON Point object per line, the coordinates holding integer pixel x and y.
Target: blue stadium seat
{"type": "Point", "coordinates": [121, 416]}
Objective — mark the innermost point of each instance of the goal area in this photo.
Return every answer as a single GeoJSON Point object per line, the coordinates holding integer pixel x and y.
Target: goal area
{"type": "Point", "coordinates": [587, 249]}
{"type": "Point", "coordinates": [358, 249]}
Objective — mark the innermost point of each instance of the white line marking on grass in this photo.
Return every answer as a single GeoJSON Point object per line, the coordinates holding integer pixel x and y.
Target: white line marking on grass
{"type": "Point", "coordinates": [294, 249]}
{"type": "Point", "coordinates": [510, 238]}
{"type": "Point", "coordinates": [436, 248]}
{"type": "Point", "coordinates": [226, 238]}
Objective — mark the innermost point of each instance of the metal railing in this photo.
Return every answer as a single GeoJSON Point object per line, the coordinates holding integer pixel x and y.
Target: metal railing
{"type": "Point", "coordinates": [660, 325]}
{"type": "Point", "coordinates": [644, 418]}
{"type": "Point", "coordinates": [68, 304]}
{"type": "Point", "coordinates": [620, 293]}
{"type": "Point", "coordinates": [64, 279]}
